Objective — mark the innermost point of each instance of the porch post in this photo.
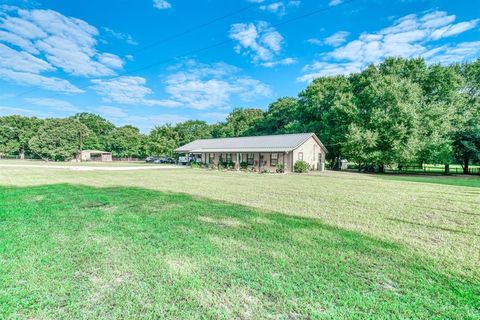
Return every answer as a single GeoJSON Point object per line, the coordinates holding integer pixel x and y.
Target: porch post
{"type": "Point", "coordinates": [238, 162]}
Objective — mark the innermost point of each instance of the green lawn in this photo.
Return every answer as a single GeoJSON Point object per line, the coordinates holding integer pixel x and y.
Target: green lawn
{"type": "Point", "coordinates": [202, 244]}
{"type": "Point", "coordinates": [453, 180]}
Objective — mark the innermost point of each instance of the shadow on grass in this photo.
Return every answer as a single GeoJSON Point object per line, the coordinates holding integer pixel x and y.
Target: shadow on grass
{"type": "Point", "coordinates": [82, 252]}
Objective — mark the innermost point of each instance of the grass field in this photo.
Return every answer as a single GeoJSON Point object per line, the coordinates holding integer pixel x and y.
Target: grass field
{"type": "Point", "coordinates": [204, 244]}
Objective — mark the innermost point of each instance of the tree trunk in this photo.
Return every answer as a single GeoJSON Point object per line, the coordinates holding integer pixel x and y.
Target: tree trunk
{"type": "Point", "coordinates": [447, 169]}
{"type": "Point", "coordinates": [465, 165]}
{"type": "Point", "coordinates": [381, 168]}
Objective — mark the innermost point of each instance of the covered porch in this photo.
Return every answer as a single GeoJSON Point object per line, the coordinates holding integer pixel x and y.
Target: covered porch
{"type": "Point", "coordinates": [254, 160]}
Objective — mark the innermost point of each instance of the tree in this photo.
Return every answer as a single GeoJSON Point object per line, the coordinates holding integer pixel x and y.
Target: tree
{"type": "Point", "coordinates": [241, 122]}
{"type": "Point", "coordinates": [58, 139]}
{"type": "Point", "coordinates": [385, 129]}
{"type": "Point", "coordinates": [126, 142]}
{"type": "Point", "coordinates": [15, 132]}
{"type": "Point", "coordinates": [191, 130]}
{"type": "Point", "coordinates": [99, 127]}
{"type": "Point", "coordinates": [279, 116]}
{"type": "Point", "coordinates": [162, 140]}
{"type": "Point", "coordinates": [327, 108]}
{"type": "Point", "coordinates": [466, 142]}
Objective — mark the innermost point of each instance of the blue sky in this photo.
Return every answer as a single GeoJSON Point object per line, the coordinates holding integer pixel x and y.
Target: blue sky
{"type": "Point", "coordinates": [134, 63]}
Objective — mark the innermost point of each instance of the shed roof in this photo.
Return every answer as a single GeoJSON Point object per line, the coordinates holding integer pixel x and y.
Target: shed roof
{"type": "Point", "coordinates": [95, 151]}
{"type": "Point", "coordinates": [273, 143]}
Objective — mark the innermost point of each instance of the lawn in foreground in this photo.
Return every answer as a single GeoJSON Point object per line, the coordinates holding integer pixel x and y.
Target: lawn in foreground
{"type": "Point", "coordinates": [74, 252]}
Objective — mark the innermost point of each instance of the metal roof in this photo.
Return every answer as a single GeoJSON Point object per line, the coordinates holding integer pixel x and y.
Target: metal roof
{"type": "Point", "coordinates": [273, 143]}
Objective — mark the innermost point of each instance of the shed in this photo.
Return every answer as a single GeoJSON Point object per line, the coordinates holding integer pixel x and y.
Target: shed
{"type": "Point", "coordinates": [95, 155]}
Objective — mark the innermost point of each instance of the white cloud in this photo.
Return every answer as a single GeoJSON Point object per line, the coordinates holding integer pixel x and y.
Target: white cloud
{"type": "Point", "coordinates": [409, 36]}
{"type": "Point", "coordinates": [113, 112]}
{"type": "Point", "coordinates": [315, 41]}
{"type": "Point", "coordinates": [32, 79]}
{"type": "Point", "coordinates": [333, 3]}
{"type": "Point", "coordinates": [285, 61]}
{"type": "Point", "coordinates": [259, 41]}
{"type": "Point", "coordinates": [279, 7]}
{"type": "Point", "coordinates": [337, 38]}
{"type": "Point", "coordinates": [161, 4]}
{"type": "Point", "coordinates": [120, 36]}
{"type": "Point", "coordinates": [55, 104]}
{"type": "Point", "coordinates": [7, 111]}
{"type": "Point", "coordinates": [202, 86]}
{"type": "Point", "coordinates": [128, 90]}
{"type": "Point", "coordinates": [37, 41]}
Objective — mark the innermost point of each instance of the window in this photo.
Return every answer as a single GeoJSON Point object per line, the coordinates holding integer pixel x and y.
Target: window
{"type": "Point", "coordinates": [273, 159]}
{"type": "Point", "coordinates": [250, 159]}
{"type": "Point", "coordinates": [229, 157]}
{"type": "Point", "coordinates": [300, 156]}
{"type": "Point", "coordinates": [211, 157]}
{"type": "Point", "coordinates": [319, 157]}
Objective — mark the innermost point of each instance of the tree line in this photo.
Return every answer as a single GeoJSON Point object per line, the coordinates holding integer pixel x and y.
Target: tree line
{"type": "Point", "coordinates": [400, 112]}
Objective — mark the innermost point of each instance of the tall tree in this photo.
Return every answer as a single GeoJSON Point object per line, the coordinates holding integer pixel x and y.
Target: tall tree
{"type": "Point", "coordinates": [99, 127]}
{"type": "Point", "coordinates": [191, 130]}
{"type": "Point", "coordinates": [162, 140]}
{"type": "Point", "coordinates": [240, 122]}
{"type": "Point", "coordinates": [467, 119]}
{"type": "Point", "coordinates": [59, 139]}
{"type": "Point", "coordinates": [279, 117]}
{"type": "Point", "coordinates": [126, 142]}
{"type": "Point", "coordinates": [327, 108]}
{"type": "Point", "coordinates": [15, 132]}
{"type": "Point", "coordinates": [385, 130]}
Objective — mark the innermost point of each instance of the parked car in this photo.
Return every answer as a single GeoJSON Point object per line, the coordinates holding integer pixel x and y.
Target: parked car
{"type": "Point", "coordinates": [150, 159]}
{"type": "Point", "coordinates": [164, 160]}
{"type": "Point", "coordinates": [187, 160]}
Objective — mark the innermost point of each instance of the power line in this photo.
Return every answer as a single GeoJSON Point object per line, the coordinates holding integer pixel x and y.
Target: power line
{"type": "Point", "coordinates": [167, 39]}
{"type": "Point", "coordinates": [215, 45]}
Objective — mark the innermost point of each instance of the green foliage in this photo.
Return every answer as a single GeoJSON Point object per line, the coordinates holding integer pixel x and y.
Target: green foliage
{"type": "Point", "coordinates": [280, 168]}
{"type": "Point", "coordinates": [15, 133]}
{"type": "Point", "coordinates": [385, 129]}
{"type": "Point", "coordinates": [126, 142]}
{"type": "Point", "coordinates": [195, 165]}
{"type": "Point", "coordinates": [241, 122]}
{"type": "Point", "coordinates": [191, 130]}
{"type": "Point", "coordinates": [398, 112]}
{"type": "Point", "coordinates": [162, 141]}
{"type": "Point", "coordinates": [328, 108]}
{"type": "Point", "coordinates": [278, 118]}
{"type": "Point", "coordinates": [99, 127]}
{"type": "Point", "coordinates": [301, 166]}
{"type": "Point", "coordinates": [243, 165]}
{"type": "Point", "coordinates": [59, 139]}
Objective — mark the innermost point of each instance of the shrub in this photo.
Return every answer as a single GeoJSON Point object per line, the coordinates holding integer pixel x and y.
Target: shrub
{"type": "Point", "coordinates": [227, 165]}
{"type": "Point", "coordinates": [301, 166]}
{"type": "Point", "coordinates": [265, 171]}
{"type": "Point", "coordinates": [195, 165]}
{"type": "Point", "coordinates": [243, 165]}
{"type": "Point", "coordinates": [280, 168]}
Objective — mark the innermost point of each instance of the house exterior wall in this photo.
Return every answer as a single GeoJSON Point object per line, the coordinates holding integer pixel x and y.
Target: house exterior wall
{"type": "Point", "coordinates": [313, 154]}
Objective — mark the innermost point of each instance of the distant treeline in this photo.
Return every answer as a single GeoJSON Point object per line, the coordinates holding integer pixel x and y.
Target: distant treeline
{"type": "Point", "coordinates": [400, 112]}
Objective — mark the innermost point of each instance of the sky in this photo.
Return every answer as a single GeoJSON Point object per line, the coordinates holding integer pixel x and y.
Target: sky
{"type": "Point", "coordinates": [151, 62]}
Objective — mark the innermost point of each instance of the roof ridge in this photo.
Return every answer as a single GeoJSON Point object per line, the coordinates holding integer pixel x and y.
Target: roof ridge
{"type": "Point", "coordinates": [268, 135]}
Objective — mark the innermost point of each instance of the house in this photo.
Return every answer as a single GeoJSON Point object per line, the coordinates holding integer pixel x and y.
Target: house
{"type": "Point", "coordinates": [262, 152]}
{"type": "Point", "coordinates": [95, 155]}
